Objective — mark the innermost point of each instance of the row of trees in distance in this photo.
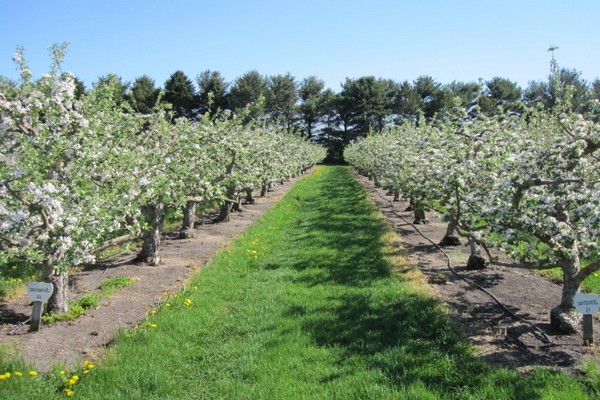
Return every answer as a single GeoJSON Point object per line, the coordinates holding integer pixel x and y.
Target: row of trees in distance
{"type": "Point", "coordinates": [363, 104]}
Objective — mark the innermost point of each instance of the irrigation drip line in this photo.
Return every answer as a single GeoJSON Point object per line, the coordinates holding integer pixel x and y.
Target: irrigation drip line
{"type": "Point", "coordinates": [19, 325]}
{"type": "Point", "coordinates": [540, 331]}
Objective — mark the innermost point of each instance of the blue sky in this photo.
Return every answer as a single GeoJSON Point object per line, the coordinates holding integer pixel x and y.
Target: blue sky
{"type": "Point", "coordinates": [461, 40]}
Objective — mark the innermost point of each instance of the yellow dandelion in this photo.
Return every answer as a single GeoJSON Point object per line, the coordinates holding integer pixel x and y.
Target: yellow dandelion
{"type": "Point", "coordinates": [153, 312]}
{"type": "Point", "coordinates": [68, 392]}
{"type": "Point", "coordinates": [4, 376]}
{"type": "Point", "coordinates": [168, 305]}
{"type": "Point", "coordinates": [32, 373]}
{"type": "Point", "coordinates": [88, 364]}
{"type": "Point", "coordinates": [75, 378]}
{"type": "Point", "coordinates": [187, 302]}
{"type": "Point", "coordinates": [86, 371]}
{"type": "Point", "coordinates": [17, 373]}
{"type": "Point", "coordinates": [62, 372]}
{"type": "Point", "coordinates": [151, 325]}
{"type": "Point", "coordinates": [70, 382]}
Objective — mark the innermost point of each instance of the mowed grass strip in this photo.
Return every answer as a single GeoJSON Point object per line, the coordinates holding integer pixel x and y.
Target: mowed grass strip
{"type": "Point", "coordinates": [314, 301]}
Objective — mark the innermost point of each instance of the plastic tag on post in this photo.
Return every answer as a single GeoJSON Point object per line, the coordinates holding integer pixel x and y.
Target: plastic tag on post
{"type": "Point", "coordinates": [39, 291]}
{"type": "Point", "coordinates": [587, 303]}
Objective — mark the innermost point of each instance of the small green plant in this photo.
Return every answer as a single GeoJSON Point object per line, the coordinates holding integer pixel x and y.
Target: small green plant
{"type": "Point", "coordinates": [79, 306]}
{"type": "Point", "coordinates": [111, 285]}
{"type": "Point", "coordinates": [76, 309]}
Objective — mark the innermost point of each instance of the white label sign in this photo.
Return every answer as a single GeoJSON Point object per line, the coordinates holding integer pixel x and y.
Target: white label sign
{"type": "Point", "coordinates": [587, 303]}
{"type": "Point", "coordinates": [39, 291]}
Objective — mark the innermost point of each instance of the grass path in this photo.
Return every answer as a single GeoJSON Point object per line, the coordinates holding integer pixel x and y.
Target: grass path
{"type": "Point", "coordinates": [311, 302]}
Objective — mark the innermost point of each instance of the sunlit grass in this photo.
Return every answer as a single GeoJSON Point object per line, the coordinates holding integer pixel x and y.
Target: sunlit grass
{"type": "Point", "coordinates": [314, 301]}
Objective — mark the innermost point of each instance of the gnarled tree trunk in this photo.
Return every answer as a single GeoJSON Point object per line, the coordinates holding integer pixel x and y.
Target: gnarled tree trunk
{"type": "Point", "coordinates": [189, 217]}
{"type": "Point", "coordinates": [476, 260]}
{"type": "Point", "coordinates": [564, 318]}
{"type": "Point", "coordinates": [58, 302]}
{"type": "Point", "coordinates": [154, 216]}
{"type": "Point", "coordinates": [225, 209]}
{"type": "Point", "coordinates": [450, 239]}
{"type": "Point", "coordinates": [249, 197]}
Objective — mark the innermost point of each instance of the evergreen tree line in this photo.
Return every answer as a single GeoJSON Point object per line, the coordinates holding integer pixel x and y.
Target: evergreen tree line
{"type": "Point", "coordinates": [362, 105]}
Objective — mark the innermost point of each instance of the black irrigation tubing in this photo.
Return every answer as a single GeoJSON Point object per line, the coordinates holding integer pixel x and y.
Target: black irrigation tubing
{"type": "Point", "coordinates": [545, 337]}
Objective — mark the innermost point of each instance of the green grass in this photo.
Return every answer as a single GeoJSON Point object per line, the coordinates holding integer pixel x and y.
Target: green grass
{"type": "Point", "coordinates": [314, 301]}
{"type": "Point", "coordinates": [14, 276]}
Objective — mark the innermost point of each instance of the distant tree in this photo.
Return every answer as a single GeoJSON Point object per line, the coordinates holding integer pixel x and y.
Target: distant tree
{"type": "Point", "coordinates": [365, 102]}
{"type": "Point", "coordinates": [120, 89]}
{"type": "Point", "coordinates": [432, 98]}
{"type": "Point", "coordinates": [595, 89]}
{"type": "Point", "coordinates": [405, 104]}
{"type": "Point", "coordinates": [466, 92]}
{"type": "Point", "coordinates": [248, 89]}
{"type": "Point", "coordinates": [560, 82]}
{"type": "Point", "coordinates": [180, 93]}
{"type": "Point", "coordinates": [312, 106]}
{"type": "Point", "coordinates": [144, 94]}
{"type": "Point", "coordinates": [500, 92]}
{"type": "Point", "coordinates": [212, 93]}
{"type": "Point", "coordinates": [281, 99]}
{"type": "Point", "coordinates": [577, 86]}
{"type": "Point", "coordinates": [537, 93]}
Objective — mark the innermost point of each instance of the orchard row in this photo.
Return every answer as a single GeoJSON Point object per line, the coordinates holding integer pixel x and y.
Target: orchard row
{"type": "Point", "coordinates": [77, 172]}
{"type": "Point", "coordinates": [527, 184]}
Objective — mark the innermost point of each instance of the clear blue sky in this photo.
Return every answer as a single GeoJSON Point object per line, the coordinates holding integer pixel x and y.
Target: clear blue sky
{"type": "Point", "coordinates": [461, 40]}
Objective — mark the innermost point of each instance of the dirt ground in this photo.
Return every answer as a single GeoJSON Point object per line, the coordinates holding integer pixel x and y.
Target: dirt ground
{"type": "Point", "coordinates": [497, 337]}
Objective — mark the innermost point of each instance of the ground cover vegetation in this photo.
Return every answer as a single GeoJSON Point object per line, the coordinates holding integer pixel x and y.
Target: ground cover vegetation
{"type": "Point", "coordinates": [313, 301]}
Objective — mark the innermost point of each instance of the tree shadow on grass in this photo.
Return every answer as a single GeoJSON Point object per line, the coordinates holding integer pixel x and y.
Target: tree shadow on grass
{"type": "Point", "coordinates": [404, 336]}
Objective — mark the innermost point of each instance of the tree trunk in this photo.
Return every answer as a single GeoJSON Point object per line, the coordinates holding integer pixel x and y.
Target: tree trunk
{"type": "Point", "coordinates": [449, 238]}
{"type": "Point", "coordinates": [154, 216]}
{"type": "Point", "coordinates": [58, 302]}
{"type": "Point", "coordinates": [249, 197]}
{"type": "Point", "coordinates": [476, 259]}
{"type": "Point", "coordinates": [263, 189]}
{"type": "Point", "coordinates": [564, 318]}
{"type": "Point", "coordinates": [237, 205]}
{"type": "Point", "coordinates": [189, 217]}
{"type": "Point", "coordinates": [396, 195]}
{"type": "Point", "coordinates": [226, 208]}
{"type": "Point", "coordinates": [420, 216]}
{"type": "Point", "coordinates": [411, 205]}
{"type": "Point", "coordinates": [376, 181]}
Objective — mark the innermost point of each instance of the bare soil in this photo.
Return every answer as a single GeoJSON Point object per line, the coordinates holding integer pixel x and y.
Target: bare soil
{"type": "Point", "coordinates": [497, 337]}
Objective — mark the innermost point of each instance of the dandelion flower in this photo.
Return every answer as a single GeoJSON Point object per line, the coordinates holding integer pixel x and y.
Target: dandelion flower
{"type": "Point", "coordinates": [151, 325]}
{"type": "Point", "coordinates": [17, 373]}
{"type": "Point", "coordinates": [68, 392]}
{"type": "Point", "coordinates": [32, 373]}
